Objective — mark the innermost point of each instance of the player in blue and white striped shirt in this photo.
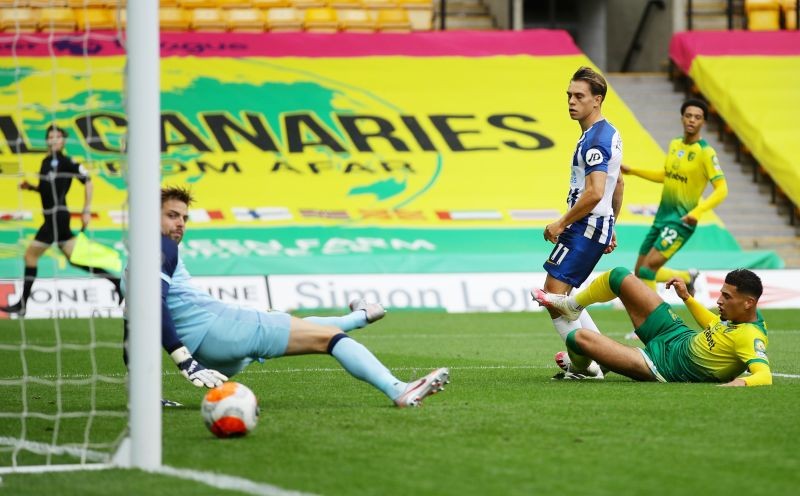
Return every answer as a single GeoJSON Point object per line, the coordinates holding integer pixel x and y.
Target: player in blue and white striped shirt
{"type": "Point", "coordinates": [586, 231]}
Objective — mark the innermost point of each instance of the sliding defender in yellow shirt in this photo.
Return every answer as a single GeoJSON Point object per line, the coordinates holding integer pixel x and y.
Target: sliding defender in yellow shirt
{"type": "Point", "coordinates": [690, 165]}
{"type": "Point", "coordinates": [730, 344]}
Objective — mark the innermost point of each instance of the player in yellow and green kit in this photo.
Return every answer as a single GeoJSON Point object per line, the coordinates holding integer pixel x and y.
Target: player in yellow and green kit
{"type": "Point", "coordinates": [729, 345]}
{"type": "Point", "coordinates": [690, 165]}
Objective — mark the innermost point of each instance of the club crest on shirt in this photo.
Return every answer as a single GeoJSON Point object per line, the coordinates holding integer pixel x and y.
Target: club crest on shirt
{"type": "Point", "coordinates": [691, 156]}
{"type": "Point", "coordinates": [760, 348]}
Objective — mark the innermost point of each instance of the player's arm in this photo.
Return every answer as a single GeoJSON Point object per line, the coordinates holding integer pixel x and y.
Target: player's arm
{"type": "Point", "coordinates": [190, 368]}
{"type": "Point", "coordinates": [751, 348]}
{"type": "Point", "coordinates": [704, 205]}
{"type": "Point", "coordinates": [701, 314]}
{"type": "Point", "coordinates": [592, 194]}
{"type": "Point", "coordinates": [655, 175]}
{"type": "Point", "coordinates": [616, 206]}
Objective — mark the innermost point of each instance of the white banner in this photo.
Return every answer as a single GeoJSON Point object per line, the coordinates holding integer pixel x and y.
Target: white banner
{"type": "Point", "coordinates": [485, 292]}
{"type": "Point", "coordinates": [95, 297]}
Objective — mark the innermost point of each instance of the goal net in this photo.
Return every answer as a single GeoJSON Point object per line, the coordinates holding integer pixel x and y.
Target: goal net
{"type": "Point", "coordinates": [64, 397]}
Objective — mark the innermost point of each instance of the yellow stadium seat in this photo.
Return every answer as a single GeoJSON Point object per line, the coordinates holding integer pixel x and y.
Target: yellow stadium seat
{"type": "Point", "coordinates": [345, 4]}
{"type": "Point", "coordinates": [56, 19]}
{"type": "Point", "coordinates": [270, 4]}
{"type": "Point", "coordinates": [18, 19]}
{"type": "Point", "coordinates": [80, 4]}
{"type": "Point", "coordinates": [789, 8]}
{"type": "Point", "coordinates": [393, 21]}
{"type": "Point", "coordinates": [234, 4]}
{"type": "Point", "coordinates": [208, 19]}
{"type": "Point", "coordinates": [96, 19]}
{"type": "Point", "coordinates": [380, 4]}
{"type": "Point", "coordinates": [284, 19]}
{"type": "Point", "coordinates": [307, 4]}
{"type": "Point", "coordinates": [420, 13]}
{"type": "Point", "coordinates": [762, 15]}
{"type": "Point", "coordinates": [36, 3]}
{"type": "Point", "coordinates": [356, 21]}
{"type": "Point", "coordinates": [321, 20]}
{"type": "Point", "coordinates": [197, 4]}
{"type": "Point", "coordinates": [246, 20]}
{"type": "Point", "coordinates": [173, 19]}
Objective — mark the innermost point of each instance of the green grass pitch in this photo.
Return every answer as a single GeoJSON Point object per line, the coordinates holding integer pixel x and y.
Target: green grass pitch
{"type": "Point", "coordinates": [501, 427]}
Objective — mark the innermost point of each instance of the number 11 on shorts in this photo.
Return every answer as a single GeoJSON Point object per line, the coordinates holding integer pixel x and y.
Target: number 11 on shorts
{"type": "Point", "coordinates": [558, 254]}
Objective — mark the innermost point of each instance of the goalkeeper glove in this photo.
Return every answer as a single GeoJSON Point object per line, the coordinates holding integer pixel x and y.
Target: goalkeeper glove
{"type": "Point", "coordinates": [194, 371]}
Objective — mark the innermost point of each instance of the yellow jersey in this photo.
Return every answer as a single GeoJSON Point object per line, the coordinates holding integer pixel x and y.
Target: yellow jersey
{"type": "Point", "coordinates": [687, 170]}
{"type": "Point", "coordinates": [726, 349]}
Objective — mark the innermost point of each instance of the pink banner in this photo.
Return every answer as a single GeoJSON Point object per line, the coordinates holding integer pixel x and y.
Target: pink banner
{"type": "Point", "coordinates": [684, 47]}
{"type": "Point", "coordinates": [536, 42]}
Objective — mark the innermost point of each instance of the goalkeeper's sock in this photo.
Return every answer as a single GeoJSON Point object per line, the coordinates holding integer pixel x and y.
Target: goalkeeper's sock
{"type": "Point", "coordinates": [353, 320]}
{"type": "Point", "coordinates": [362, 364]}
{"type": "Point", "coordinates": [664, 274]}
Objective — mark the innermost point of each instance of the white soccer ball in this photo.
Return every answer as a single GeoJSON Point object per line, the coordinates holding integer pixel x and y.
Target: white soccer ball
{"type": "Point", "coordinates": [230, 410]}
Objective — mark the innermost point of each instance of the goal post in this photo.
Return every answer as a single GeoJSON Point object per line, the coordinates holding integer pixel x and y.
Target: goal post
{"type": "Point", "coordinates": [144, 259]}
{"type": "Point", "coordinates": [47, 422]}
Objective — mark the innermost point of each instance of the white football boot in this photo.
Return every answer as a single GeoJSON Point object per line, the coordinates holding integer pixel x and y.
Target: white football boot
{"type": "Point", "coordinates": [563, 361]}
{"type": "Point", "coordinates": [418, 390]}
{"type": "Point", "coordinates": [375, 311]}
{"type": "Point", "coordinates": [557, 302]}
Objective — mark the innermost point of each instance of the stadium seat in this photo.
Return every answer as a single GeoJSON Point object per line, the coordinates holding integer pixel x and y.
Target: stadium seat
{"type": "Point", "coordinates": [356, 21]}
{"type": "Point", "coordinates": [208, 19]}
{"type": "Point", "coordinates": [22, 19]}
{"type": "Point", "coordinates": [307, 4]}
{"type": "Point", "coordinates": [321, 20]}
{"type": "Point", "coordinates": [762, 15]}
{"type": "Point", "coordinates": [393, 21]}
{"type": "Point", "coordinates": [420, 13]}
{"type": "Point", "coordinates": [246, 20]}
{"type": "Point", "coordinates": [173, 19]}
{"type": "Point", "coordinates": [80, 4]}
{"type": "Point", "coordinates": [284, 19]}
{"type": "Point", "coordinates": [380, 4]}
{"type": "Point", "coordinates": [198, 4]}
{"type": "Point", "coordinates": [56, 19]}
{"type": "Point", "coordinates": [96, 19]}
{"type": "Point", "coordinates": [234, 4]}
{"type": "Point", "coordinates": [789, 9]}
{"type": "Point", "coordinates": [346, 4]}
{"type": "Point", "coordinates": [34, 3]}
{"type": "Point", "coordinates": [269, 4]}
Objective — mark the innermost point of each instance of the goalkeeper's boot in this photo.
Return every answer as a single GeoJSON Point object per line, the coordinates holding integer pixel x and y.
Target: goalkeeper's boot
{"type": "Point", "coordinates": [17, 308]}
{"type": "Point", "coordinates": [593, 371]}
{"type": "Point", "coordinates": [375, 311]}
{"type": "Point", "coordinates": [557, 302]}
{"type": "Point", "coordinates": [418, 390]}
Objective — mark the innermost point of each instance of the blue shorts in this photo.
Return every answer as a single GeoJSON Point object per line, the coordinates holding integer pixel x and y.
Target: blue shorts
{"type": "Point", "coordinates": [243, 332]}
{"type": "Point", "coordinates": [574, 256]}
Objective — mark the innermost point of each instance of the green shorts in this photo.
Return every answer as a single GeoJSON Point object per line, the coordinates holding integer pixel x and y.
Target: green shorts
{"type": "Point", "coordinates": [666, 238]}
{"type": "Point", "coordinates": [666, 338]}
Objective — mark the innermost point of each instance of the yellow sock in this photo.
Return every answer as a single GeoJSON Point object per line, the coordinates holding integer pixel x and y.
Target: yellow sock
{"type": "Point", "coordinates": [598, 291]}
{"type": "Point", "coordinates": [664, 274]}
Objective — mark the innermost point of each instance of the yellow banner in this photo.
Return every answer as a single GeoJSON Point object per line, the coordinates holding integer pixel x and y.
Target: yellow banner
{"type": "Point", "coordinates": [386, 141]}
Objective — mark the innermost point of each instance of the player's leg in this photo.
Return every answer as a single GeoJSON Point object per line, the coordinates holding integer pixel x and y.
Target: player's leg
{"type": "Point", "coordinates": [644, 261]}
{"type": "Point", "coordinates": [68, 246]}
{"type": "Point", "coordinates": [361, 314]}
{"type": "Point", "coordinates": [569, 264]}
{"type": "Point", "coordinates": [610, 354]}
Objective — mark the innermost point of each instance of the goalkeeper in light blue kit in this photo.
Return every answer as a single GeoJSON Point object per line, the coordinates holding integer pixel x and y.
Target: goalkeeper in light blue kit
{"type": "Point", "coordinates": [209, 340]}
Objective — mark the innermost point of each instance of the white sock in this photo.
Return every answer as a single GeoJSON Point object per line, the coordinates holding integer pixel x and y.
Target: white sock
{"type": "Point", "coordinates": [587, 323]}
{"type": "Point", "coordinates": [564, 327]}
